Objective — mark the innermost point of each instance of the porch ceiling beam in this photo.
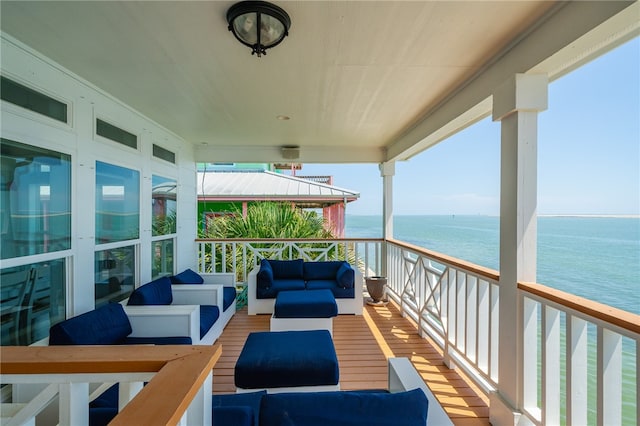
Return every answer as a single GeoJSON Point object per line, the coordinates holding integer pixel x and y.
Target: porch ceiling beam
{"type": "Point", "coordinates": [553, 47]}
{"type": "Point", "coordinates": [273, 154]}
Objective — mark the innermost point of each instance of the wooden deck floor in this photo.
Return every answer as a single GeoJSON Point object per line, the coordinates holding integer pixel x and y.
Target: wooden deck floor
{"type": "Point", "coordinates": [363, 344]}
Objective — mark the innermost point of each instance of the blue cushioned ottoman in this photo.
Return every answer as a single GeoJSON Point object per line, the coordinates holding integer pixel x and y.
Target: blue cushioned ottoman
{"type": "Point", "coordinates": [287, 359]}
{"type": "Point", "coordinates": [305, 304]}
{"type": "Point", "coordinates": [304, 310]}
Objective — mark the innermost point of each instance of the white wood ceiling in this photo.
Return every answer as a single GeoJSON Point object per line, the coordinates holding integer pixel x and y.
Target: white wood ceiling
{"type": "Point", "coordinates": [354, 76]}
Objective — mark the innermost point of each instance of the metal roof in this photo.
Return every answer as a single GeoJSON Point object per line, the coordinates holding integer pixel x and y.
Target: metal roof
{"type": "Point", "coordinates": [265, 185]}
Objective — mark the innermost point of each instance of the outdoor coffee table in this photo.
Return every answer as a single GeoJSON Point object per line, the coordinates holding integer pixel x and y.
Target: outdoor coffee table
{"type": "Point", "coordinates": [285, 361]}
{"type": "Point", "coordinates": [304, 310]}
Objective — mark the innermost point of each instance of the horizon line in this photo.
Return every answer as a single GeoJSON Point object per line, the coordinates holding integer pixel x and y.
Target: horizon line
{"type": "Point", "coordinates": [582, 215]}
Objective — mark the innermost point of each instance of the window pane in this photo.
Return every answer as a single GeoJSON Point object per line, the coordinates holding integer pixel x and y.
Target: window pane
{"type": "Point", "coordinates": [163, 201]}
{"type": "Point", "coordinates": [35, 201]}
{"type": "Point", "coordinates": [117, 203]}
{"type": "Point", "coordinates": [116, 134]}
{"type": "Point", "coordinates": [33, 299]}
{"type": "Point", "coordinates": [20, 95]}
{"type": "Point", "coordinates": [164, 154]}
{"type": "Point", "coordinates": [162, 258]}
{"type": "Point", "coordinates": [115, 274]}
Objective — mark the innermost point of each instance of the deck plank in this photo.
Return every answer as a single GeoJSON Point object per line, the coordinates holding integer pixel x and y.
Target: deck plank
{"type": "Point", "coordinates": [363, 344]}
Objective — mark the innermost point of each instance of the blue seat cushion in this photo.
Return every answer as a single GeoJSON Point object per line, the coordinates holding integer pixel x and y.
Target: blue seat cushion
{"type": "Point", "coordinates": [287, 358]}
{"type": "Point", "coordinates": [279, 285]}
{"type": "Point", "coordinates": [187, 276]}
{"type": "Point", "coordinates": [108, 398]}
{"type": "Point", "coordinates": [246, 399]}
{"type": "Point", "coordinates": [233, 416]}
{"type": "Point", "coordinates": [106, 325]}
{"type": "Point", "coordinates": [228, 297]}
{"type": "Point", "coordinates": [209, 314]}
{"type": "Point", "coordinates": [345, 409]}
{"type": "Point", "coordinates": [102, 416]}
{"type": "Point", "coordinates": [305, 304]}
{"type": "Point", "coordinates": [104, 408]}
{"type": "Point", "coordinates": [156, 292]}
{"type": "Point", "coordinates": [338, 292]}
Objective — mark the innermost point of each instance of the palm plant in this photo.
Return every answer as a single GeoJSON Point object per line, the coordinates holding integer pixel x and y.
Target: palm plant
{"type": "Point", "coordinates": [273, 220]}
{"type": "Point", "coordinates": [267, 220]}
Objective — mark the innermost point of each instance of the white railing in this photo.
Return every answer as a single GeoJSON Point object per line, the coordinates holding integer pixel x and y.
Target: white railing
{"type": "Point", "coordinates": [242, 255]}
{"type": "Point", "coordinates": [70, 375]}
{"type": "Point", "coordinates": [453, 302]}
{"type": "Point", "coordinates": [580, 358]}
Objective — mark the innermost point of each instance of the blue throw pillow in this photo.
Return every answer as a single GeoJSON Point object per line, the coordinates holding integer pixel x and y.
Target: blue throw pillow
{"type": "Point", "coordinates": [265, 275]}
{"type": "Point", "coordinates": [157, 292]}
{"type": "Point", "coordinates": [187, 277]}
{"type": "Point", "coordinates": [106, 325]}
{"type": "Point", "coordinates": [345, 276]}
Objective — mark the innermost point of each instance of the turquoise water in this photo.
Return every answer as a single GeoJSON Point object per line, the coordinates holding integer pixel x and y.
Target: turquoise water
{"type": "Point", "coordinates": [594, 257]}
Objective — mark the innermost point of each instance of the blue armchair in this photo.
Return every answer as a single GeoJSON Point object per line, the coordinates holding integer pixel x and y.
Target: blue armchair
{"type": "Point", "coordinates": [107, 325]}
{"type": "Point", "coordinates": [214, 304]}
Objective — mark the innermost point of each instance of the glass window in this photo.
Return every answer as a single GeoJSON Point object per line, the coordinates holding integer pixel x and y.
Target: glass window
{"type": "Point", "coordinates": [35, 200]}
{"type": "Point", "coordinates": [162, 258]}
{"type": "Point", "coordinates": [115, 274]}
{"type": "Point", "coordinates": [32, 300]}
{"type": "Point", "coordinates": [163, 200]}
{"type": "Point", "coordinates": [20, 95]}
{"type": "Point", "coordinates": [164, 154]}
{"type": "Point", "coordinates": [116, 134]}
{"type": "Point", "coordinates": [117, 203]}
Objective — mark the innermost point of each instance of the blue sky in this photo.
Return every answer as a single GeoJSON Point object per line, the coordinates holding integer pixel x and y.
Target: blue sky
{"type": "Point", "coordinates": [588, 154]}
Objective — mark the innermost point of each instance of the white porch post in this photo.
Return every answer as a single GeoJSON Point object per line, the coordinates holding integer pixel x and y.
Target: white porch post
{"type": "Point", "coordinates": [387, 170]}
{"type": "Point", "coordinates": [516, 104]}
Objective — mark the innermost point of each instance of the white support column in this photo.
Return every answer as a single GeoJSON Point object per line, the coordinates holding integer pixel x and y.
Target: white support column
{"type": "Point", "coordinates": [387, 170]}
{"type": "Point", "coordinates": [516, 104]}
{"type": "Point", "coordinates": [80, 288]}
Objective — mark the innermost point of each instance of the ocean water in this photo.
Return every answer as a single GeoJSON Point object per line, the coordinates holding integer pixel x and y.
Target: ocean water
{"type": "Point", "coordinates": [594, 257]}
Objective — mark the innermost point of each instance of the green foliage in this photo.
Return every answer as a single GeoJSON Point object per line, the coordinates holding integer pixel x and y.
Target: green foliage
{"type": "Point", "coordinates": [266, 220]}
{"type": "Point", "coordinates": [164, 225]}
{"type": "Point", "coordinates": [269, 220]}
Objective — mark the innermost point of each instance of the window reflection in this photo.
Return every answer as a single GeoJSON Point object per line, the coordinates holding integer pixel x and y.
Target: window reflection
{"type": "Point", "coordinates": [35, 201]}
{"type": "Point", "coordinates": [115, 274]}
{"type": "Point", "coordinates": [162, 258]}
{"type": "Point", "coordinates": [163, 199]}
{"type": "Point", "coordinates": [32, 300]}
{"type": "Point", "coordinates": [117, 203]}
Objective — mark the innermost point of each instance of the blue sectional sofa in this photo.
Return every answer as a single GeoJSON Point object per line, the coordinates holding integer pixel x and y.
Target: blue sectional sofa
{"type": "Point", "coordinates": [215, 303]}
{"type": "Point", "coordinates": [273, 276]}
{"type": "Point", "coordinates": [370, 408]}
{"type": "Point", "coordinates": [407, 402]}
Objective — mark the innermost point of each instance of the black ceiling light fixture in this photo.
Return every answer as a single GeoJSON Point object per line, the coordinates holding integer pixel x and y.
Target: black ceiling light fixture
{"type": "Point", "coordinates": [246, 17]}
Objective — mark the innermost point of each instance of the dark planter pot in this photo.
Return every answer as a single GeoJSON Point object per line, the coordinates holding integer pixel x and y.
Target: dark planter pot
{"type": "Point", "coordinates": [375, 287]}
